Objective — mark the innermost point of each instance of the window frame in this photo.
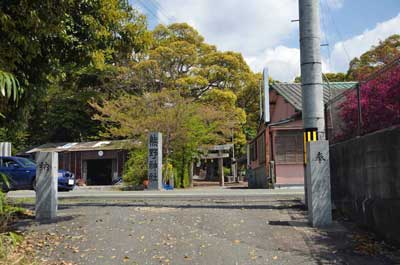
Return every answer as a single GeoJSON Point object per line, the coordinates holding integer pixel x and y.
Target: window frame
{"type": "Point", "coordinates": [296, 150]}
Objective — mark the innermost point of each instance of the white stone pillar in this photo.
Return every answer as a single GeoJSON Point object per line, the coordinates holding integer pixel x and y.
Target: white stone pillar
{"type": "Point", "coordinates": [221, 169]}
{"type": "Point", "coordinates": [319, 185]}
{"type": "Point", "coordinates": [46, 185]}
{"type": "Point", "coordinates": [5, 149]}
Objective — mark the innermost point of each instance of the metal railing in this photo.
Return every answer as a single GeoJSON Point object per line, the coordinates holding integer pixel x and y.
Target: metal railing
{"type": "Point", "coordinates": [373, 104]}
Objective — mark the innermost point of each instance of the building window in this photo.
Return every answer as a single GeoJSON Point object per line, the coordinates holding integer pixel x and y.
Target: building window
{"type": "Point", "coordinates": [261, 148]}
{"type": "Point", "coordinates": [289, 147]}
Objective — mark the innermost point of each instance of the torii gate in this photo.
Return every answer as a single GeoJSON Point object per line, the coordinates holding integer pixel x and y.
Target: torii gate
{"type": "Point", "coordinates": [220, 156]}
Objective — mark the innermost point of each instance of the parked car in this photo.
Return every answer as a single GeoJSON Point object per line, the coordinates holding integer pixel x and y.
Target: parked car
{"type": "Point", "coordinates": [21, 174]}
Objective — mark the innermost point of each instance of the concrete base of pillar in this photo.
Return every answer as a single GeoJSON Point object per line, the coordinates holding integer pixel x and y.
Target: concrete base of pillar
{"type": "Point", "coordinates": [318, 184]}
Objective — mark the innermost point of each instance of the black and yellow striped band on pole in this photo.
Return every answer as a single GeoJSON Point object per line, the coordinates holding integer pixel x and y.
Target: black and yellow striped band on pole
{"type": "Point", "coordinates": [310, 135]}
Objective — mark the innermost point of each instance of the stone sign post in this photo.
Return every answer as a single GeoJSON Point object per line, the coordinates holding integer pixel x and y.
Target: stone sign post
{"type": "Point", "coordinates": [5, 149]}
{"type": "Point", "coordinates": [46, 185]}
{"type": "Point", "coordinates": [221, 169]}
{"type": "Point", "coordinates": [318, 179]}
{"type": "Point", "coordinates": [155, 161]}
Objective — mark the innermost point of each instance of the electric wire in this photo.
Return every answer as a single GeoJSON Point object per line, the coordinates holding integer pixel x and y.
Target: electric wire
{"type": "Point", "coordinates": [162, 10]}
{"type": "Point", "coordinates": [150, 11]}
{"type": "Point", "coordinates": [336, 28]}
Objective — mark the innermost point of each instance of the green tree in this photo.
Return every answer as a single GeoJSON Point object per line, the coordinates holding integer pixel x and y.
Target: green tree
{"type": "Point", "coordinates": [377, 57]}
{"type": "Point", "coordinates": [70, 45]}
{"type": "Point", "coordinates": [135, 171]}
{"type": "Point", "coordinates": [249, 101]}
{"type": "Point", "coordinates": [186, 124]}
{"type": "Point", "coordinates": [180, 59]}
{"type": "Point", "coordinates": [9, 89]}
{"type": "Point", "coordinates": [330, 77]}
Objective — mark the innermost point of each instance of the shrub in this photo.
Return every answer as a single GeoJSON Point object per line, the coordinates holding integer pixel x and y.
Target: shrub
{"type": "Point", "coordinates": [227, 171]}
{"type": "Point", "coordinates": [168, 172]}
{"type": "Point", "coordinates": [380, 104]}
{"type": "Point", "coordinates": [136, 167]}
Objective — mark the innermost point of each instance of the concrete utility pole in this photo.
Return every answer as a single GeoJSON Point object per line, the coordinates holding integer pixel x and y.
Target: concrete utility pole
{"type": "Point", "coordinates": [311, 67]}
{"type": "Point", "coordinates": [317, 172]}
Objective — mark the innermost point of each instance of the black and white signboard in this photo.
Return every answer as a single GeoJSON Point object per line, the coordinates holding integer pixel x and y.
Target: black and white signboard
{"type": "Point", "coordinates": [155, 161]}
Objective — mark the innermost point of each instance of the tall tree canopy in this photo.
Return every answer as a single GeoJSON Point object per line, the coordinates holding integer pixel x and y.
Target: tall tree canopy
{"type": "Point", "coordinates": [377, 57]}
{"type": "Point", "coordinates": [179, 59]}
{"type": "Point", "coordinates": [330, 77]}
{"type": "Point", "coordinates": [185, 124]}
{"type": "Point", "coordinates": [63, 45]}
{"type": "Point", "coordinates": [68, 53]}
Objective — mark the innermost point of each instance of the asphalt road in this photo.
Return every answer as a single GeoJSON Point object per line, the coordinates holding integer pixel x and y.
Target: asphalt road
{"type": "Point", "coordinates": [203, 231]}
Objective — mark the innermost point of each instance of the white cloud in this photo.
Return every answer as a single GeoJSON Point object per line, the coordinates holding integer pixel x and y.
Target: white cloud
{"type": "Point", "coordinates": [249, 27]}
{"type": "Point", "coordinates": [260, 30]}
{"type": "Point", "coordinates": [283, 62]}
{"type": "Point", "coordinates": [344, 51]}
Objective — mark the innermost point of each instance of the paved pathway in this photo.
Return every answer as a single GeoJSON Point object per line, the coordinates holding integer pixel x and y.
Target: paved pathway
{"type": "Point", "coordinates": [213, 231]}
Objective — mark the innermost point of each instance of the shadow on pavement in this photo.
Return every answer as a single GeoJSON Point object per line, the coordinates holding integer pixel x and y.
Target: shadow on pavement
{"type": "Point", "coordinates": [24, 223]}
{"type": "Point", "coordinates": [212, 205]}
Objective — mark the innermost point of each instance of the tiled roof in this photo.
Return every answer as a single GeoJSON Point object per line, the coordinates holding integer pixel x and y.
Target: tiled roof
{"type": "Point", "coordinates": [84, 146]}
{"type": "Point", "coordinates": [291, 92]}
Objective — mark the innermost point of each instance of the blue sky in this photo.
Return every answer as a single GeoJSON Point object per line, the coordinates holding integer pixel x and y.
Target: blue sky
{"type": "Point", "coordinates": [261, 29]}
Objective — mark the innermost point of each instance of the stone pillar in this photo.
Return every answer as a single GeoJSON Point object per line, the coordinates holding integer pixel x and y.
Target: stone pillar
{"type": "Point", "coordinates": [191, 169]}
{"type": "Point", "coordinates": [5, 149]}
{"type": "Point", "coordinates": [172, 181]}
{"type": "Point", "coordinates": [46, 185]}
{"type": "Point", "coordinates": [319, 186]}
{"type": "Point", "coordinates": [155, 161]}
{"type": "Point", "coordinates": [234, 171]}
{"type": "Point", "coordinates": [221, 169]}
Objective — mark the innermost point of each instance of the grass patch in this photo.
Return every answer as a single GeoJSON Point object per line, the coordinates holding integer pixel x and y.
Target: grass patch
{"type": "Point", "coordinates": [11, 251]}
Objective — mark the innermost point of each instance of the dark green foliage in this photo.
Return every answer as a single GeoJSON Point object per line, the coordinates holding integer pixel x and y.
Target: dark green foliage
{"type": "Point", "coordinates": [330, 77]}
{"type": "Point", "coordinates": [136, 167]}
{"type": "Point", "coordinates": [72, 46]}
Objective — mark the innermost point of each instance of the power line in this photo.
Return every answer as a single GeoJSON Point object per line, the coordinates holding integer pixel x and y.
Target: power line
{"type": "Point", "coordinates": [325, 28]}
{"type": "Point", "coordinates": [328, 8]}
{"type": "Point", "coordinates": [162, 10]}
{"type": "Point", "coordinates": [149, 10]}
{"type": "Point", "coordinates": [156, 8]}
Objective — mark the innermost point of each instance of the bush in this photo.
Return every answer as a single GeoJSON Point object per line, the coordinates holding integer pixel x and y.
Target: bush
{"type": "Point", "coordinates": [8, 239]}
{"type": "Point", "coordinates": [168, 173]}
{"type": "Point", "coordinates": [136, 167]}
{"type": "Point", "coordinates": [380, 104]}
{"type": "Point", "coordinates": [227, 171]}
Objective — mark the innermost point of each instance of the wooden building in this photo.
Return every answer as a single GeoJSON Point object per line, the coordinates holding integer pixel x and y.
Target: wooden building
{"type": "Point", "coordinates": [93, 163]}
{"type": "Point", "coordinates": [276, 153]}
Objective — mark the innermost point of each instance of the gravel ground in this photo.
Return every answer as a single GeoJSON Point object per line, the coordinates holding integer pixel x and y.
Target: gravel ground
{"type": "Point", "coordinates": [271, 231]}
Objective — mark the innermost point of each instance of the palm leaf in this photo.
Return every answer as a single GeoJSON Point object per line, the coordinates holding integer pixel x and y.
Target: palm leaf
{"type": "Point", "coordinates": [9, 86]}
{"type": "Point", "coordinates": [4, 179]}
